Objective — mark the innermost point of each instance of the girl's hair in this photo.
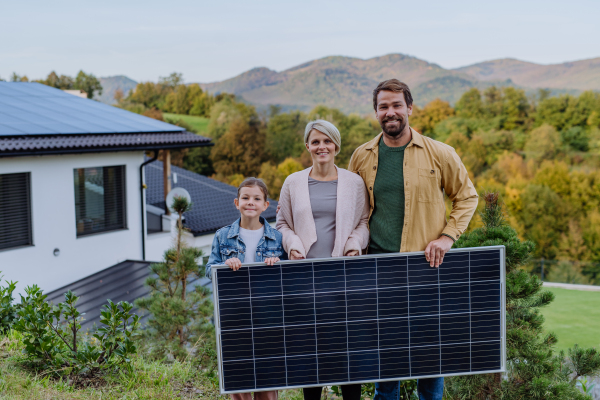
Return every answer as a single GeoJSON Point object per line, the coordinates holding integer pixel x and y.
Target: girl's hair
{"type": "Point", "coordinates": [250, 182]}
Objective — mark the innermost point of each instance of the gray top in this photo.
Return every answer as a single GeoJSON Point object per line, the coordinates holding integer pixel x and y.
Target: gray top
{"type": "Point", "coordinates": [323, 199]}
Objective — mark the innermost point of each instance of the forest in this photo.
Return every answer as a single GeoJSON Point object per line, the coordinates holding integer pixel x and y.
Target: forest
{"type": "Point", "coordinates": [541, 153]}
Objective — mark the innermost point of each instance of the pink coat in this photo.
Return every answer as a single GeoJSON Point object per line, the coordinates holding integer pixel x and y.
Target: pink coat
{"type": "Point", "coordinates": [295, 219]}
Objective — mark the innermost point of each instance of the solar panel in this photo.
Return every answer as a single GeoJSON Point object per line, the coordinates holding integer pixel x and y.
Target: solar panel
{"type": "Point", "coordinates": [371, 318]}
{"type": "Point", "coordinates": [29, 108]}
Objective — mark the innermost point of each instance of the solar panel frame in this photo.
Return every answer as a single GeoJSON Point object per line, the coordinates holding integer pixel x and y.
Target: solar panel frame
{"type": "Point", "coordinates": [470, 250]}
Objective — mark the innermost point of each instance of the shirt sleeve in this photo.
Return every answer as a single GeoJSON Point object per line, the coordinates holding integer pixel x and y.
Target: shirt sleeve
{"type": "Point", "coordinates": [461, 191]}
{"type": "Point", "coordinates": [215, 256]}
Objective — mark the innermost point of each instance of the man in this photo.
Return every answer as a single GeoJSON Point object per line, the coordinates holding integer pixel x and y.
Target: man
{"type": "Point", "coordinates": [406, 175]}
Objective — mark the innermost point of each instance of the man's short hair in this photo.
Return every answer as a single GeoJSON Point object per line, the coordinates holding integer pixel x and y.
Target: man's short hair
{"type": "Point", "coordinates": [393, 85]}
{"type": "Point", "coordinates": [251, 182]}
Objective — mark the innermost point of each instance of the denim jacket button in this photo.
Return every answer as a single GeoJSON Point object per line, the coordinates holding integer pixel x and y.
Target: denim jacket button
{"type": "Point", "coordinates": [258, 254]}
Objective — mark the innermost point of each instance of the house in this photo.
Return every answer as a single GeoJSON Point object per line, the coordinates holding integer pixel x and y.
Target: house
{"type": "Point", "coordinates": [72, 201]}
{"type": "Point", "coordinates": [212, 208]}
{"type": "Point", "coordinates": [74, 213]}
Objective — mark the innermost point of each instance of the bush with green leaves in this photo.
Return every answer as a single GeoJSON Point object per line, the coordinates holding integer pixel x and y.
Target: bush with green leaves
{"type": "Point", "coordinates": [54, 342]}
{"type": "Point", "coordinates": [534, 371]}
{"type": "Point", "coordinates": [180, 316]}
{"type": "Point", "coordinates": [8, 309]}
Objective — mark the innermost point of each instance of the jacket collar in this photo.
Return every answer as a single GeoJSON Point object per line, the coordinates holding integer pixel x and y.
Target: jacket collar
{"type": "Point", "coordinates": [234, 229]}
{"type": "Point", "coordinates": [417, 140]}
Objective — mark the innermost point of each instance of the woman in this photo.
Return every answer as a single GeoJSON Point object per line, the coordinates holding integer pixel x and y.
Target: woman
{"type": "Point", "coordinates": [324, 212]}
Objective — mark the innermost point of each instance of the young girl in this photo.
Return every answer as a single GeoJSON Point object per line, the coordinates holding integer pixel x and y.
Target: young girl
{"type": "Point", "coordinates": [252, 240]}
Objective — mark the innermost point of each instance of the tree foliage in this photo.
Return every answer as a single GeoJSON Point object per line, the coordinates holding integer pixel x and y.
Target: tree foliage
{"type": "Point", "coordinates": [86, 82]}
{"type": "Point", "coordinates": [534, 371]}
{"type": "Point", "coordinates": [179, 315]}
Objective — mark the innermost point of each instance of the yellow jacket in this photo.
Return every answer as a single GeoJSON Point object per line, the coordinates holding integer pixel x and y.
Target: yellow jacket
{"type": "Point", "coordinates": [431, 168]}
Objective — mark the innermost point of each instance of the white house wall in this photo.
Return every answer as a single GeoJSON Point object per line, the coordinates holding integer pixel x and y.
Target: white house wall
{"type": "Point", "coordinates": [53, 222]}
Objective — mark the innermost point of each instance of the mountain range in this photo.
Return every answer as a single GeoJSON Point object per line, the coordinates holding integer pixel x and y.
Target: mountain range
{"type": "Point", "coordinates": [347, 82]}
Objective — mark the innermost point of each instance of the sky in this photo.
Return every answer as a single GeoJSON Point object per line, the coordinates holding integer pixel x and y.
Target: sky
{"type": "Point", "coordinates": [210, 41]}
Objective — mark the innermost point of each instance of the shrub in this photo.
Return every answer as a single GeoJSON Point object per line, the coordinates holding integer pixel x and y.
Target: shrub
{"type": "Point", "coordinates": [7, 309]}
{"type": "Point", "coordinates": [53, 341]}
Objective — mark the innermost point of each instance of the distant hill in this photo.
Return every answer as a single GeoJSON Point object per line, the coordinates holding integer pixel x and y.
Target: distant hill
{"type": "Point", "coordinates": [111, 84]}
{"type": "Point", "coordinates": [580, 75]}
{"type": "Point", "coordinates": [343, 82]}
{"type": "Point", "coordinates": [347, 83]}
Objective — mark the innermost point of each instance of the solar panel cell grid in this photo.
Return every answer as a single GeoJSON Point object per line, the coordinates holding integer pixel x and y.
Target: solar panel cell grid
{"type": "Point", "coordinates": [361, 319]}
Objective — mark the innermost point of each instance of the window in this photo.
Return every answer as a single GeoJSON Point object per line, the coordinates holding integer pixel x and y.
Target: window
{"type": "Point", "coordinates": [99, 199]}
{"type": "Point", "coordinates": [15, 210]}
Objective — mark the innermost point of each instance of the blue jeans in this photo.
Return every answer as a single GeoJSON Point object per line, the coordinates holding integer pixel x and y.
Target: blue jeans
{"type": "Point", "coordinates": [429, 389]}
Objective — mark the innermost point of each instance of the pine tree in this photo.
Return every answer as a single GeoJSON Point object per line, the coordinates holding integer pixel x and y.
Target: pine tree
{"type": "Point", "coordinates": [180, 316]}
{"type": "Point", "coordinates": [534, 371]}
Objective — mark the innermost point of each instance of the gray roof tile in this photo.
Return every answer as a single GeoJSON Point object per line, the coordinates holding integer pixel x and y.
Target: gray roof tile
{"type": "Point", "coordinates": [212, 200]}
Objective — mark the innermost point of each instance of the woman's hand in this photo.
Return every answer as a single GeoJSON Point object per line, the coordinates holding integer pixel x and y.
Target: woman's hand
{"type": "Point", "coordinates": [351, 253]}
{"type": "Point", "coordinates": [234, 263]}
{"type": "Point", "coordinates": [271, 260]}
{"type": "Point", "coordinates": [295, 255]}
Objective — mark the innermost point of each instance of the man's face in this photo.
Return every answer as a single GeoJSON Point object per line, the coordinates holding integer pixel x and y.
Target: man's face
{"type": "Point", "coordinates": [392, 112]}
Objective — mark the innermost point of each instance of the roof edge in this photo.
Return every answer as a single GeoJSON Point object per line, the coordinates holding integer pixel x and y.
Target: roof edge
{"type": "Point", "coordinates": [43, 152]}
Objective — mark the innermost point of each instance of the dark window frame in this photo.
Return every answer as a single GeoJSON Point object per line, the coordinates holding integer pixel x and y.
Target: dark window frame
{"type": "Point", "coordinates": [28, 216]}
{"type": "Point", "coordinates": [123, 189]}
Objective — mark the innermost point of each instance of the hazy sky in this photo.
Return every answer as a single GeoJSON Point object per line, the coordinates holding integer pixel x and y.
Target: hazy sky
{"type": "Point", "coordinates": [215, 40]}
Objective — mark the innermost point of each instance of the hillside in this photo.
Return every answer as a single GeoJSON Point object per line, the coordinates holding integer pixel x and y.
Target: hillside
{"type": "Point", "coordinates": [347, 83]}
{"type": "Point", "coordinates": [580, 75]}
{"type": "Point", "coordinates": [342, 82]}
{"type": "Point", "coordinates": [111, 84]}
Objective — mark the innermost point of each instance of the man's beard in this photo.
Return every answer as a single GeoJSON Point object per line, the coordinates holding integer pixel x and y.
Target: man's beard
{"type": "Point", "coordinates": [393, 131]}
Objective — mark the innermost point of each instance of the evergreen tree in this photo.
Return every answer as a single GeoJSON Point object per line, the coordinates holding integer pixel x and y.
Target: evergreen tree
{"type": "Point", "coordinates": [533, 370]}
{"type": "Point", "coordinates": [180, 316]}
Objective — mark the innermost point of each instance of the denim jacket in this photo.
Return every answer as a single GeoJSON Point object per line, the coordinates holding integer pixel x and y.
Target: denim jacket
{"type": "Point", "coordinates": [228, 244]}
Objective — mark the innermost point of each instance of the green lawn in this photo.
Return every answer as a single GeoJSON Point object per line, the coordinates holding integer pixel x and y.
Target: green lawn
{"type": "Point", "coordinates": [574, 317]}
{"type": "Point", "coordinates": [199, 124]}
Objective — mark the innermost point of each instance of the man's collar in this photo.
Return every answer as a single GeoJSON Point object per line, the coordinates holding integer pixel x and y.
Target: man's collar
{"type": "Point", "coordinates": [417, 140]}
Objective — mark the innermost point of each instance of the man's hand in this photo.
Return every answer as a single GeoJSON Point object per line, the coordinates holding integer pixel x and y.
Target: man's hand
{"type": "Point", "coordinates": [436, 249]}
{"type": "Point", "coordinates": [295, 255]}
{"type": "Point", "coordinates": [234, 263]}
{"type": "Point", "coordinates": [270, 261]}
{"type": "Point", "coordinates": [352, 253]}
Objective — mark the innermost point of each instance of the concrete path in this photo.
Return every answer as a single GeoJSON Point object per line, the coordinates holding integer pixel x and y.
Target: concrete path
{"type": "Point", "coordinates": [571, 286]}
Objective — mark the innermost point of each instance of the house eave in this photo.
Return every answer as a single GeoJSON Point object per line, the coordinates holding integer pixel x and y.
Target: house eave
{"type": "Point", "coordinates": [44, 152]}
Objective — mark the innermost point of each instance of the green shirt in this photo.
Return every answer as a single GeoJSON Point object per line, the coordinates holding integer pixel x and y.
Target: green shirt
{"type": "Point", "coordinates": [387, 218]}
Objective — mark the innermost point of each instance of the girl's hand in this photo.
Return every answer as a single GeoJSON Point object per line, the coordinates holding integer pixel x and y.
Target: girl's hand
{"type": "Point", "coordinates": [295, 255]}
{"type": "Point", "coordinates": [351, 253]}
{"type": "Point", "coordinates": [271, 260]}
{"type": "Point", "coordinates": [234, 263]}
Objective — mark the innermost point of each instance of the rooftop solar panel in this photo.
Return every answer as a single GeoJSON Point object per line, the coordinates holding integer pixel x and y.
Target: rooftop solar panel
{"type": "Point", "coordinates": [359, 319]}
{"type": "Point", "coordinates": [29, 108]}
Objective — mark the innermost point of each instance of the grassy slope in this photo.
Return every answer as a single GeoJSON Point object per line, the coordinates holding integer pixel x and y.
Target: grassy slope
{"type": "Point", "coordinates": [149, 380]}
{"type": "Point", "coordinates": [575, 318]}
{"type": "Point", "coordinates": [199, 124]}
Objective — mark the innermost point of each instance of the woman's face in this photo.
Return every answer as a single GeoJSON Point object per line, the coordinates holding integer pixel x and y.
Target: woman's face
{"type": "Point", "coordinates": [321, 147]}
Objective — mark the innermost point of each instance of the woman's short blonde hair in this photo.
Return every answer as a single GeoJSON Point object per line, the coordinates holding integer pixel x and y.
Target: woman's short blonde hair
{"type": "Point", "coordinates": [326, 128]}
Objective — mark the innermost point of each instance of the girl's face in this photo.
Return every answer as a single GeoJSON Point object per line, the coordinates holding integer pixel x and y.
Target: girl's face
{"type": "Point", "coordinates": [251, 202]}
{"type": "Point", "coordinates": [321, 147]}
